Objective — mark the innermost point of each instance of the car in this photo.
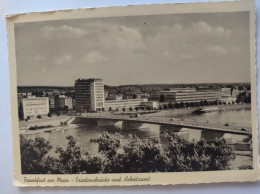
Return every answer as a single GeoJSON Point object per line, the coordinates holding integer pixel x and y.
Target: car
{"type": "Point", "coordinates": [226, 124]}
{"type": "Point", "coordinates": [172, 119]}
{"type": "Point", "coordinates": [244, 129]}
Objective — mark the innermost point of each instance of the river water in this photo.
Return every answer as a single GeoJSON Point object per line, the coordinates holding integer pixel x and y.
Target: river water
{"type": "Point", "coordinates": [84, 133]}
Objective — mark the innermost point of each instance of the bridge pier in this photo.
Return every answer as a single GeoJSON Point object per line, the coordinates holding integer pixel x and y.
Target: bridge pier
{"type": "Point", "coordinates": [107, 122]}
{"type": "Point", "coordinates": [185, 133]}
{"type": "Point", "coordinates": [211, 135]}
{"type": "Point", "coordinates": [131, 125]}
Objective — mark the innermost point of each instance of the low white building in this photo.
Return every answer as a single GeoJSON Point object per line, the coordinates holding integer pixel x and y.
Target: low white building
{"type": "Point", "coordinates": [34, 106]}
{"type": "Point", "coordinates": [120, 104]}
{"type": "Point", "coordinates": [150, 104]}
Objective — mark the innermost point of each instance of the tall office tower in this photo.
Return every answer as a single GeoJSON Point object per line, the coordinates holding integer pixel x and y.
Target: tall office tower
{"type": "Point", "coordinates": [89, 94]}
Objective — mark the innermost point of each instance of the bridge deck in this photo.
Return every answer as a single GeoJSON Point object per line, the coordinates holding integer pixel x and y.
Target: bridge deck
{"type": "Point", "coordinates": [185, 123]}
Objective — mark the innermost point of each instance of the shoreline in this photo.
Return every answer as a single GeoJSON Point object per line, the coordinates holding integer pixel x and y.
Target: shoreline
{"type": "Point", "coordinates": [184, 111]}
{"type": "Point", "coordinates": [50, 129]}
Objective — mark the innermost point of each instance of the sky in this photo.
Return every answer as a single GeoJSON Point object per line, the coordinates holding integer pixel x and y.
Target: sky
{"type": "Point", "coordinates": [155, 49]}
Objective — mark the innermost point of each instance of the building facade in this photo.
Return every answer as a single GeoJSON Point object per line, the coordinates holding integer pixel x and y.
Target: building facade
{"type": "Point", "coordinates": [89, 94]}
{"type": "Point", "coordinates": [34, 106]}
{"type": "Point", "coordinates": [63, 101]}
{"type": "Point", "coordinates": [178, 95]}
{"type": "Point", "coordinates": [52, 103]}
{"type": "Point", "coordinates": [120, 104]}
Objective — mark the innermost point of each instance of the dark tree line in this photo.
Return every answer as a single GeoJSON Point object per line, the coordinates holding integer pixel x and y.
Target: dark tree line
{"type": "Point", "coordinates": [135, 156]}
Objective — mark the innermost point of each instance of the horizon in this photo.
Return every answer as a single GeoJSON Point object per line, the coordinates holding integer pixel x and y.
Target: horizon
{"type": "Point", "coordinates": [144, 84]}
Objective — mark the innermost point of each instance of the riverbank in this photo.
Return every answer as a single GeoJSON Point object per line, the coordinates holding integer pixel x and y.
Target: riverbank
{"type": "Point", "coordinates": [241, 160]}
{"type": "Point", "coordinates": [184, 111]}
{"type": "Point", "coordinates": [55, 124]}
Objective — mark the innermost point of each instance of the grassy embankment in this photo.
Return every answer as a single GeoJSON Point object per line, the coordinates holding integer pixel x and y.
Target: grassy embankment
{"type": "Point", "coordinates": [42, 125]}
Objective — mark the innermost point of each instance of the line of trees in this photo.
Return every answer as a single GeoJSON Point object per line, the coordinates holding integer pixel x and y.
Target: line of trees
{"type": "Point", "coordinates": [135, 156]}
{"type": "Point", "coordinates": [171, 105]}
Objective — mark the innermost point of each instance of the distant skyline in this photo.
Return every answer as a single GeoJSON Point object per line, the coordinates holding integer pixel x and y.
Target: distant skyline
{"type": "Point", "coordinates": [134, 50]}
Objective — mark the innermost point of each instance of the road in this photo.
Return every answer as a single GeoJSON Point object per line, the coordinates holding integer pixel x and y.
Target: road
{"type": "Point", "coordinates": [186, 123]}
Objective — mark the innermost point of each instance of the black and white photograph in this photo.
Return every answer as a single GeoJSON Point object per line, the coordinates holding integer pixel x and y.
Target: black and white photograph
{"type": "Point", "coordinates": [135, 94]}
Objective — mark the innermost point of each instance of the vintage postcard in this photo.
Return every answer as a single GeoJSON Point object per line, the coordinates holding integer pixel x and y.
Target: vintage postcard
{"type": "Point", "coordinates": [134, 95]}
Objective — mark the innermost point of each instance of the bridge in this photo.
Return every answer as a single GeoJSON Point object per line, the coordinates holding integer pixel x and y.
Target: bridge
{"type": "Point", "coordinates": [112, 119]}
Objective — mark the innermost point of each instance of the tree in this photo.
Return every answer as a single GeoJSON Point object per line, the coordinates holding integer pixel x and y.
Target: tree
{"type": "Point", "coordinates": [176, 105]}
{"type": "Point", "coordinates": [170, 105]}
{"type": "Point", "coordinates": [237, 101]}
{"type": "Point", "coordinates": [39, 116]}
{"type": "Point", "coordinates": [71, 159]}
{"type": "Point", "coordinates": [130, 108]}
{"type": "Point", "coordinates": [20, 112]}
{"type": "Point", "coordinates": [40, 94]}
{"type": "Point", "coordinates": [192, 104]}
{"type": "Point", "coordinates": [135, 155]}
{"type": "Point", "coordinates": [149, 155]}
{"type": "Point", "coordinates": [49, 114]}
{"type": "Point", "coordinates": [187, 104]}
{"type": "Point", "coordinates": [66, 108]}
{"type": "Point", "coordinates": [33, 155]}
{"type": "Point", "coordinates": [182, 105]}
{"type": "Point", "coordinates": [136, 108]}
{"type": "Point", "coordinates": [197, 104]}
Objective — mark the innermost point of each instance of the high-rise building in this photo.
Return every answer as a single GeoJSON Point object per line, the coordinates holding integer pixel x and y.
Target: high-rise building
{"type": "Point", "coordinates": [89, 94]}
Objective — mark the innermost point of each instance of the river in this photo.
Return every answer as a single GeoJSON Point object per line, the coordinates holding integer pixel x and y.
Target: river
{"type": "Point", "coordinates": [84, 133]}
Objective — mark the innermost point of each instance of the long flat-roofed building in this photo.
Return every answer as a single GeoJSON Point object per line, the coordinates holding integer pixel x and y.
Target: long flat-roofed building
{"type": "Point", "coordinates": [89, 94]}
{"type": "Point", "coordinates": [34, 106]}
{"type": "Point", "coordinates": [126, 103]}
{"type": "Point", "coordinates": [178, 95]}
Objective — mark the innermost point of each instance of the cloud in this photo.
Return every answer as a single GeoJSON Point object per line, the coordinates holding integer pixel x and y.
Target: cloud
{"type": "Point", "coordinates": [64, 59]}
{"type": "Point", "coordinates": [93, 57]}
{"type": "Point", "coordinates": [202, 28]}
{"type": "Point", "coordinates": [218, 50]}
{"type": "Point", "coordinates": [62, 31]}
{"type": "Point", "coordinates": [118, 39]}
{"type": "Point", "coordinates": [39, 58]}
{"type": "Point", "coordinates": [188, 41]}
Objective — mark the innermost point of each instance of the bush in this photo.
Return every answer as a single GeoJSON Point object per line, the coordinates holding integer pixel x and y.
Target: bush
{"type": "Point", "coordinates": [245, 167]}
{"type": "Point", "coordinates": [150, 156]}
{"type": "Point", "coordinates": [134, 156]}
{"type": "Point", "coordinates": [71, 160]}
{"type": "Point", "coordinates": [33, 155]}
